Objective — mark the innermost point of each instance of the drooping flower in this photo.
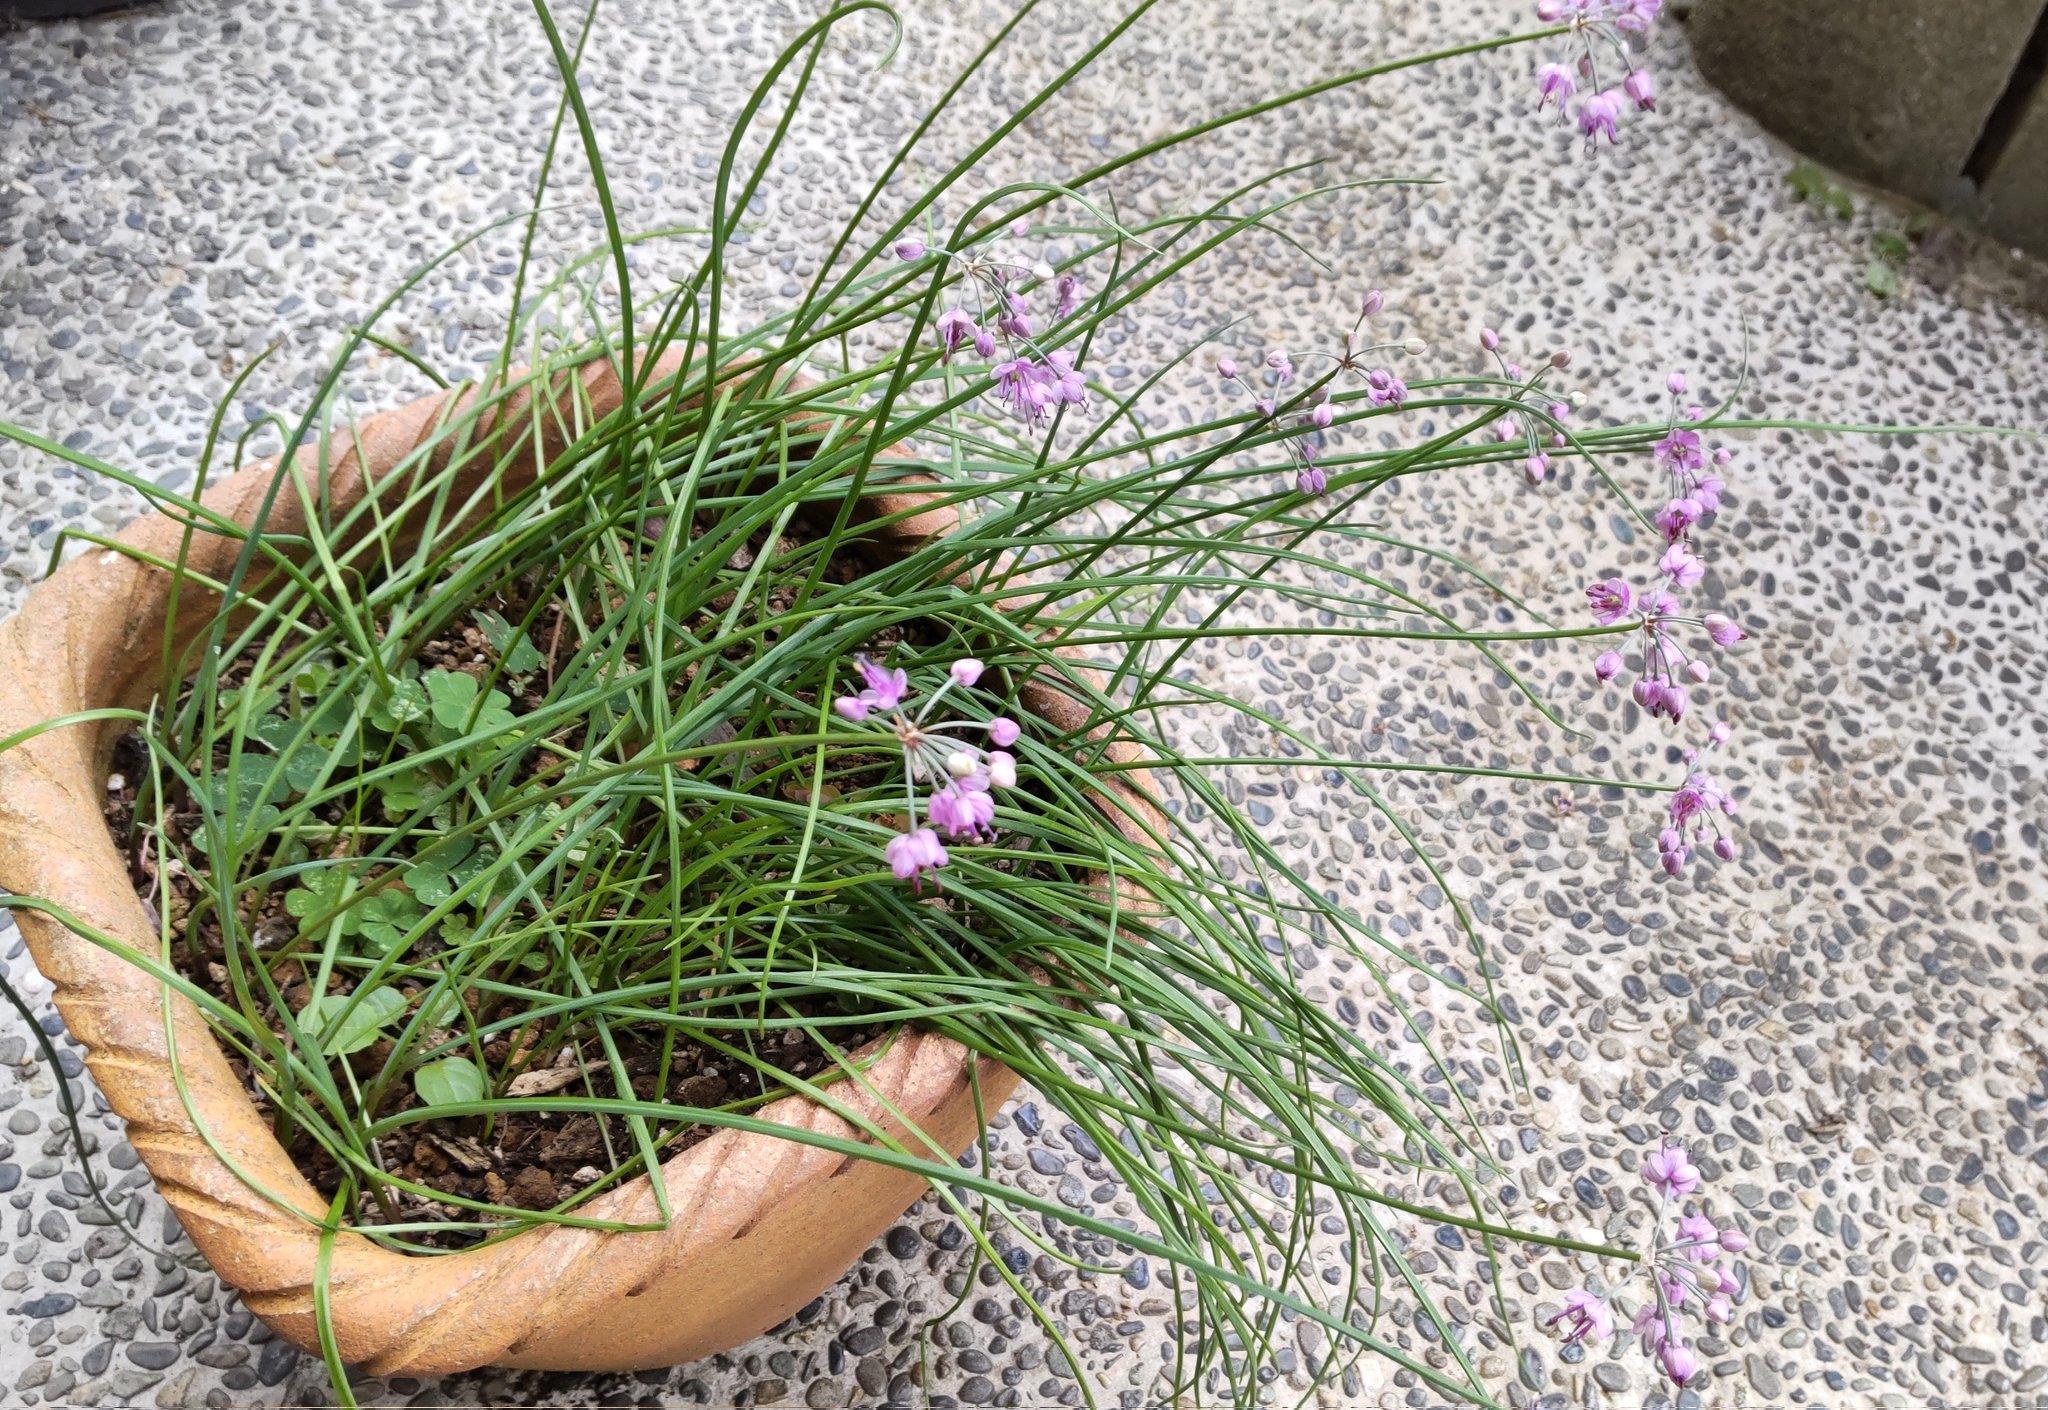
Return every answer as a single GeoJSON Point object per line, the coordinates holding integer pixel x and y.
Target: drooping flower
{"type": "Point", "coordinates": [1699, 1231]}
{"type": "Point", "coordinates": [1608, 666]}
{"type": "Point", "coordinates": [1611, 599]}
{"type": "Point", "coordinates": [1671, 1172]}
{"type": "Point", "coordinates": [1584, 1316]}
{"type": "Point", "coordinates": [1642, 89]}
{"type": "Point", "coordinates": [1311, 480]}
{"type": "Point", "coordinates": [1281, 364]}
{"type": "Point", "coordinates": [1002, 769]}
{"type": "Point", "coordinates": [912, 854]}
{"type": "Point", "coordinates": [955, 327]}
{"type": "Point", "coordinates": [1067, 292]}
{"type": "Point", "coordinates": [1600, 115]}
{"type": "Point", "coordinates": [961, 809]}
{"type": "Point", "coordinates": [1682, 566]}
{"type": "Point", "coordinates": [1678, 1361]}
{"type": "Point", "coordinates": [1554, 82]}
{"type": "Point", "coordinates": [1677, 517]}
{"type": "Point", "coordinates": [1004, 731]}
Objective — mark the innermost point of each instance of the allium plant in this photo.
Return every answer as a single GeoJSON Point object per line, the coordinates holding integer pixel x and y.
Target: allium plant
{"type": "Point", "coordinates": [710, 773]}
{"type": "Point", "coordinates": [1688, 1283]}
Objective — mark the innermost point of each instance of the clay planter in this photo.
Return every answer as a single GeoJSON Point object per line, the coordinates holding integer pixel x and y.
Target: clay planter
{"type": "Point", "coordinates": [761, 1224]}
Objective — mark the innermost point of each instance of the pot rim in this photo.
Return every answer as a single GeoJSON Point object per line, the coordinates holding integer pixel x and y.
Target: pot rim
{"type": "Point", "coordinates": [87, 637]}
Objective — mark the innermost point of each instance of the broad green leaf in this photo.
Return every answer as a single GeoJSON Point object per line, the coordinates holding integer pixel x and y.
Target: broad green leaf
{"type": "Point", "coordinates": [451, 1080]}
{"type": "Point", "coordinates": [405, 705]}
{"type": "Point", "coordinates": [452, 697]}
{"type": "Point", "coordinates": [509, 642]}
{"type": "Point", "coordinates": [357, 1019]}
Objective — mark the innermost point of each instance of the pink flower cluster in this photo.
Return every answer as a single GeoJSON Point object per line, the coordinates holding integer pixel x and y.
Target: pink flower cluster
{"type": "Point", "coordinates": [1669, 673]}
{"type": "Point", "coordinates": [1381, 388]}
{"type": "Point", "coordinates": [1613, 26]}
{"type": "Point", "coordinates": [1685, 1268]}
{"type": "Point", "coordinates": [961, 777]}
{"type": "Point", "coordinates": [1696, 809]}
{"type": "Point", "coordinates": [1035, 383]}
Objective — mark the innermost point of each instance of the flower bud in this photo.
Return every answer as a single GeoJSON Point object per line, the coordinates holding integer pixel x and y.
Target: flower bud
{"type": "Point", "coordinates": [1675, 384]}
{"type": "Point", "coordinates": [1734, 1240]}
{"type": "Point", "coordinates": [910, 248]}
{"type": "Point", "coordinates": [1002, 769]}
{"type": "Point", "coordinates": [1414, 347]}
{"type": "Point", "coordinates": [1322, 416]}
{"type": "Point", "coordinates": [1608, 666]}
{"type": "Point", "coordinates": [966, 671]}
{"type": "Point", "coordinates": [1225, 368]}
{"type": "Point", "coordinates": [1561, 359]}
{"type": "Point", "coordinates": [961, 763]}
{"type": "Point", "coordinates": [1489, 340]}
{"type": "Point", "coordinates": [1372, 303]}
{"type": "Point", "coordinates": [1699, 671]}
{"type": "Point", "coordinates": [1724, 848]}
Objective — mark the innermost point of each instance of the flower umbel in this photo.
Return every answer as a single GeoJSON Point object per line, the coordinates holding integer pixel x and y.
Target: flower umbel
{"type": "Point", "coordinates": [1684, 1267]}
{"type": "Point", "coordinates": [960, 776]}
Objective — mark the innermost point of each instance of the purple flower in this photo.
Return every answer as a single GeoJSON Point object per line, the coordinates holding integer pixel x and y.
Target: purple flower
{"type": "Point", "coordinates": [1004, 731]}
{"type": "Point", "coordinates": [961, 810]}
{"type": "Point", "coordinates": [1002, 769]}
{"type": "Point", "coordinates": [1067, 290]}
{"type": "Point", "coordinates": [1585, 1317]}
{"type": "Point", "coordinates": [1642, 89]}
{"type": "Point", "coordinates": [1555, 81]}
{"type": "Point", "coordinates": [1265, 406]}
{"type": "Point", "coordinates": [1371, 303]}
{"type": "Point", "coordinates": [1708, 492]}
{"type": "Point", "coordinates": [1599, 114]}
{"type": "Point", "coordinates": [910, 248]}
{"type": "Point", "coordinates": [1681, 451]}
{"type": "Point", "coordinates": [885, 691]}
{"type": "Point", "coordinates": [1489, 340]}
{"type": "Point", "coordinates": [1719, 1311]}
{"type": "Point", "coordinates": [1608, 666]}
{"type": "Point", "coordinates": [1650, 1326]}
{"type": "Point", "coordinates": [1611, 600]}
{"type": "Point", "coordinates": [1311, 480]}
{"type": "Point", "coordinates": [1385, 388]}
{"type": "Point", "coordinates": [1281, 363]}
{"type": "Point", "coordinates": [1678, 1361]}
{"type": "Point", "coordinates": [1671, 1172]}
{"type": "Point", "coordinates": [955, 326]}
{"type": "Point", "coordinates": [1063, 382]}
{"type": "Point", "coordinates": [1639, 15]}
{"type": "Point", "coordinates": [1022, 383]}
{"type": "Point", "coordinates": [1536, 468]}
{"type": "Point", "coordinates": [966, 671]}
{"type": "Point", "coordinates": [1678, 516]}
{"type": "Point", "coordinates": [1723, 630]}
{"type": "Point", "coordinates": [1682, 566]}
{"type": "Point", "coordinates": [1226, 369]}
{"type": "Point", "coordinates": [1321, 416]}
{"type": "Point", "coordinates": [914, 853]}
{"type": "Point", "coordinates": [1699, 1231]}
{"type": "Point", "coordinates": [1724, 848]}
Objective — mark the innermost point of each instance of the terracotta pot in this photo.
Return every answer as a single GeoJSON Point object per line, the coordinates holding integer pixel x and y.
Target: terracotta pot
{"type": "Point", "coordinates": [761, 1224]}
